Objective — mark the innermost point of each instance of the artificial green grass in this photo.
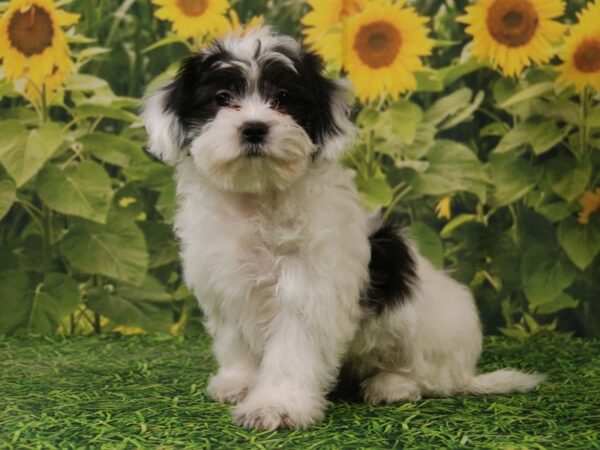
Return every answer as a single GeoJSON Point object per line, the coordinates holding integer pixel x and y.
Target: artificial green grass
{"type": "Point", "coordinates": [148, 392]}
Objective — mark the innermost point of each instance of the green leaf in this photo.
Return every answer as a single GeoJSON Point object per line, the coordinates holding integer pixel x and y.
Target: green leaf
{"type": "Point", "coordinates": [422, 143]}
{"type": "Point", "coordinates": [563, 301]}
{"type": "Point", "coordinates": [512, 178]}
{"type": "Point", "coordinates": [464, 113]}
{"type": "Point", "coordinates": [504, 88]}
{"type": "Point", "coordinates": [452, 167]}
{"type": "Point", "coordinates": [116, 249]}
{"type": "Point", "coordinates": [161, 241]}
{"type": "Point", "coordinates": [367, 118]}
{"type": "Point", "coordinates": [166, 204]}
{"type": "Point", "coordinates": [110, 148]}
{"type": "Point", "coordinates": [448, 105]}
{"type": "Point", "coordinates": [57, 297]}
{"type": "Point", "coordinates": [92, 52]}
{"type": "Point", "coordinates": [84, 82]}
{"type": "Point", "coordinates": [428, 243]}
{"type": "Point", "coordinates": [111, 112]}
{"type": "Point", "coordinates": [35, 310]}
{"type": "Point", "coordinates": [8, 193]}
{"type": "Point", "coordinates": [528, 93]}
{"type": "Point", "coordinates": [505, 258]}
{"type": "Point", "coordinates": [539, 133]}
{"type": "Point", "coordinates": [567, 176]}
{"type": "Point", "coordinates": [581, 242]}
{"type": "Point", "coordinates": [168, 40]}
{"type": "Point", "coordinates": [15, 293]}
{"type": "Point", "coordinates": [84, 190]}
{"type": "Point", "coordinates": [554, 208]}
{"type": "Point", "coordinates": [456, 71]}
{"type": "Point", "coordinates": [401, 120]}
{"type": "Point", "coordinates": [23, 154]}
{"type": "Point", "coordinates": [151, 290]}
{"type": "Point", "coordinates": [129, 201]}
{"type": "Point", "coordinates": [153, 175]}
{"type": "Point", "coordinates": [545, 274]}
{"type": "Point", "coordinates": [456, 223]}
{"type": "Point", "coordinates": [376, 192]}
{"type": "Point", "coordinates": [429, 81]}
{"type": "Point", "coordinates": [146, 306]}
{"type": "Point", "coordinates": [494, 129]}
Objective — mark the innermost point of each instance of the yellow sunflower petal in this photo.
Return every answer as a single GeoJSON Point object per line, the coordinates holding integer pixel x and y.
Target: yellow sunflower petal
{"type": "Point", "coordinates": [33, 42]}
{"type": "Point", "coordinates": [324, 25]}
{"type": "Point", "coordinates": [194, 18]}
{"type": "Point", "coordinates": [512, 34]}
{"type": "Point", "coordinates": [383, 46]}
{"type": "Point", "coordinates": [581, 52]}
{"type": "Point", "coordinates": [444, 208]}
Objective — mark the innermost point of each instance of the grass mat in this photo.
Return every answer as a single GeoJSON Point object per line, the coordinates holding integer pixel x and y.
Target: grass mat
{"type": "Point", "coordinates": [148, 392]}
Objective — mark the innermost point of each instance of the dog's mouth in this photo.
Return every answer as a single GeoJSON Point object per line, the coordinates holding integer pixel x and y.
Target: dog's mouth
{"type": "Point", "coordinates": [254, 151]}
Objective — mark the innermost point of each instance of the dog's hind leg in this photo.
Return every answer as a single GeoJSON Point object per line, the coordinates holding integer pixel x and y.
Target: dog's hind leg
{"type": "Point", "coordinates": [389, 387]}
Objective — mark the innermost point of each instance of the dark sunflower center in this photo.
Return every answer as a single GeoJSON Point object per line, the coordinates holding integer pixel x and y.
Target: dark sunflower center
{"type": "Point", "coordinates": [377, 44]}
{"type": "Point", "coordinates": [31, 32]}
{"type": "Point", "coordinates": [512, 22]}
{"type": "Point", "coordinates": [587, 56]}
{"type": "Point", "coordinates": [192, 8]}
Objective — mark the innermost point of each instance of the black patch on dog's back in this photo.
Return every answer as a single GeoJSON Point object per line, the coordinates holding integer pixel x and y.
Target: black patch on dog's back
{"type": "Point", "coordinates": [392, 270]}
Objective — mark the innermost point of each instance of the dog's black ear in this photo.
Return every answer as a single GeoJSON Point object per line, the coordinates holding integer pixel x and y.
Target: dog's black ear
{"type": "Point", "coordinates": [164, 108]}
{"type": "Point", "coordinates": [331, 127]}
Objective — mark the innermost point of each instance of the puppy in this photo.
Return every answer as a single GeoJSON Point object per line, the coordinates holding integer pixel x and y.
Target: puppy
{"type": "Point", "coordinates": [294, 278]}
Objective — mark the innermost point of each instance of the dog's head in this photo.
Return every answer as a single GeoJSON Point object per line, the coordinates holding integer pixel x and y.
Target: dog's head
{"type": "Point", "coordinates": [254, 111]}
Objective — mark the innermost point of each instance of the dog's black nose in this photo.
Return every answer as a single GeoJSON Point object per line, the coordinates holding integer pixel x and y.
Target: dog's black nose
{"type": "Point", "coordinates": [254, 132]}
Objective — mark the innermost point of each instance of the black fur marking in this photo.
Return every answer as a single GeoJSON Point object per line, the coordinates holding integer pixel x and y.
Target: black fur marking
{"type": "Point", "coordinates": [309, 96]}
{"type": "Point", "coordinates": [392, 270]}
{"type": "Point", "coordinates": [191, 95]}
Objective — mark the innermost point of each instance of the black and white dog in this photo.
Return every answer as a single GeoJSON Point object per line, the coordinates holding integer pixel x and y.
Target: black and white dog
{"type": "Point", "coordinates": [294, 277]}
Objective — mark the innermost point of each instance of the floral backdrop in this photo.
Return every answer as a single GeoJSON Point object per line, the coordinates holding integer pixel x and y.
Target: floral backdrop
{"type": "Point", "coordinates": [478, 131]}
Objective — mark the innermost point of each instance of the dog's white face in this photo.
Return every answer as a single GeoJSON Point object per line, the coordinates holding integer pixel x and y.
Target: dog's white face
{"type": "Point", "coordinates": [252, 111]}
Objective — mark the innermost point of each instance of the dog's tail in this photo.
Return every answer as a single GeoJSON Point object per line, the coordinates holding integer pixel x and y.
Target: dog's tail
{"type": "Point", "coordinates": [503, 381]}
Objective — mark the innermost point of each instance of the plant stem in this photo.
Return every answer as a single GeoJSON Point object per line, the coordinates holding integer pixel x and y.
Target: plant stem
{"type": "Point", "coordinates": [97, 325]}
{"type": "Point", "coordinates": [47, 237]}
{"type": "Point", "coordinates": [584, 129]}
{"type": "Point", "coordinates": [395, 201]}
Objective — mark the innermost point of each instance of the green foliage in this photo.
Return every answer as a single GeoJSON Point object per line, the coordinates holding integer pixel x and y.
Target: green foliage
{"type": "Point", "coordinates": [85, 231]}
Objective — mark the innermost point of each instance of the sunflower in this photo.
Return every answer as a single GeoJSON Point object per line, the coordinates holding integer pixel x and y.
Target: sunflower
{"type": "Point", "coordinates": [32, 42]}
{"type": "Point", "coordinates": [383, 45]}
{"type": "Point", "coordinates": [514, 33]}
{"type": "Point", "coordinates": [581, 52]}
{"type": "Point", "coordinates": [192, 18]}
{"type": "Point", "coordinates": [324, 26]}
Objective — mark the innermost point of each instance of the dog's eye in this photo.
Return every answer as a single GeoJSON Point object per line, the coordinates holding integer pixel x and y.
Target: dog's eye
{"type": "Point", "coordinates": [281, 98]}
{"type": "Point", "coordinates": [223, 98]}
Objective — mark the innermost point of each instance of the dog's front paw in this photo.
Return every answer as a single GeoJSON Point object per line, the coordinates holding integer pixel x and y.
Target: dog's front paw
{"type": "Point", "coordinates": [230, 386]}
{"type": "Point", "coordinates": [270, 410]}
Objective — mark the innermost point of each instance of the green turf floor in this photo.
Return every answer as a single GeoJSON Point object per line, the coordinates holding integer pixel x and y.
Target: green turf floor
{"type": "Point", "coordinates": [148, 392]}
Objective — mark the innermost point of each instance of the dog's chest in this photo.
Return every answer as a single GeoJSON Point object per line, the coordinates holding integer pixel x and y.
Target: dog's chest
{"type": "Point", "coordinates": [264, 239]}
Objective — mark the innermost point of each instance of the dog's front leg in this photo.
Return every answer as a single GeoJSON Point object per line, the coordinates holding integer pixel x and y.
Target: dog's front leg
{"type": "Point", "coordinates": [317, 315]}
{"type": "Point", "coordinates": [237, 365]}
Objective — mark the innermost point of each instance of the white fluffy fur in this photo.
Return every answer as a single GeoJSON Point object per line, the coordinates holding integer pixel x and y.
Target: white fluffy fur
{"type": "Point", "coordinates": [276, 250]}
